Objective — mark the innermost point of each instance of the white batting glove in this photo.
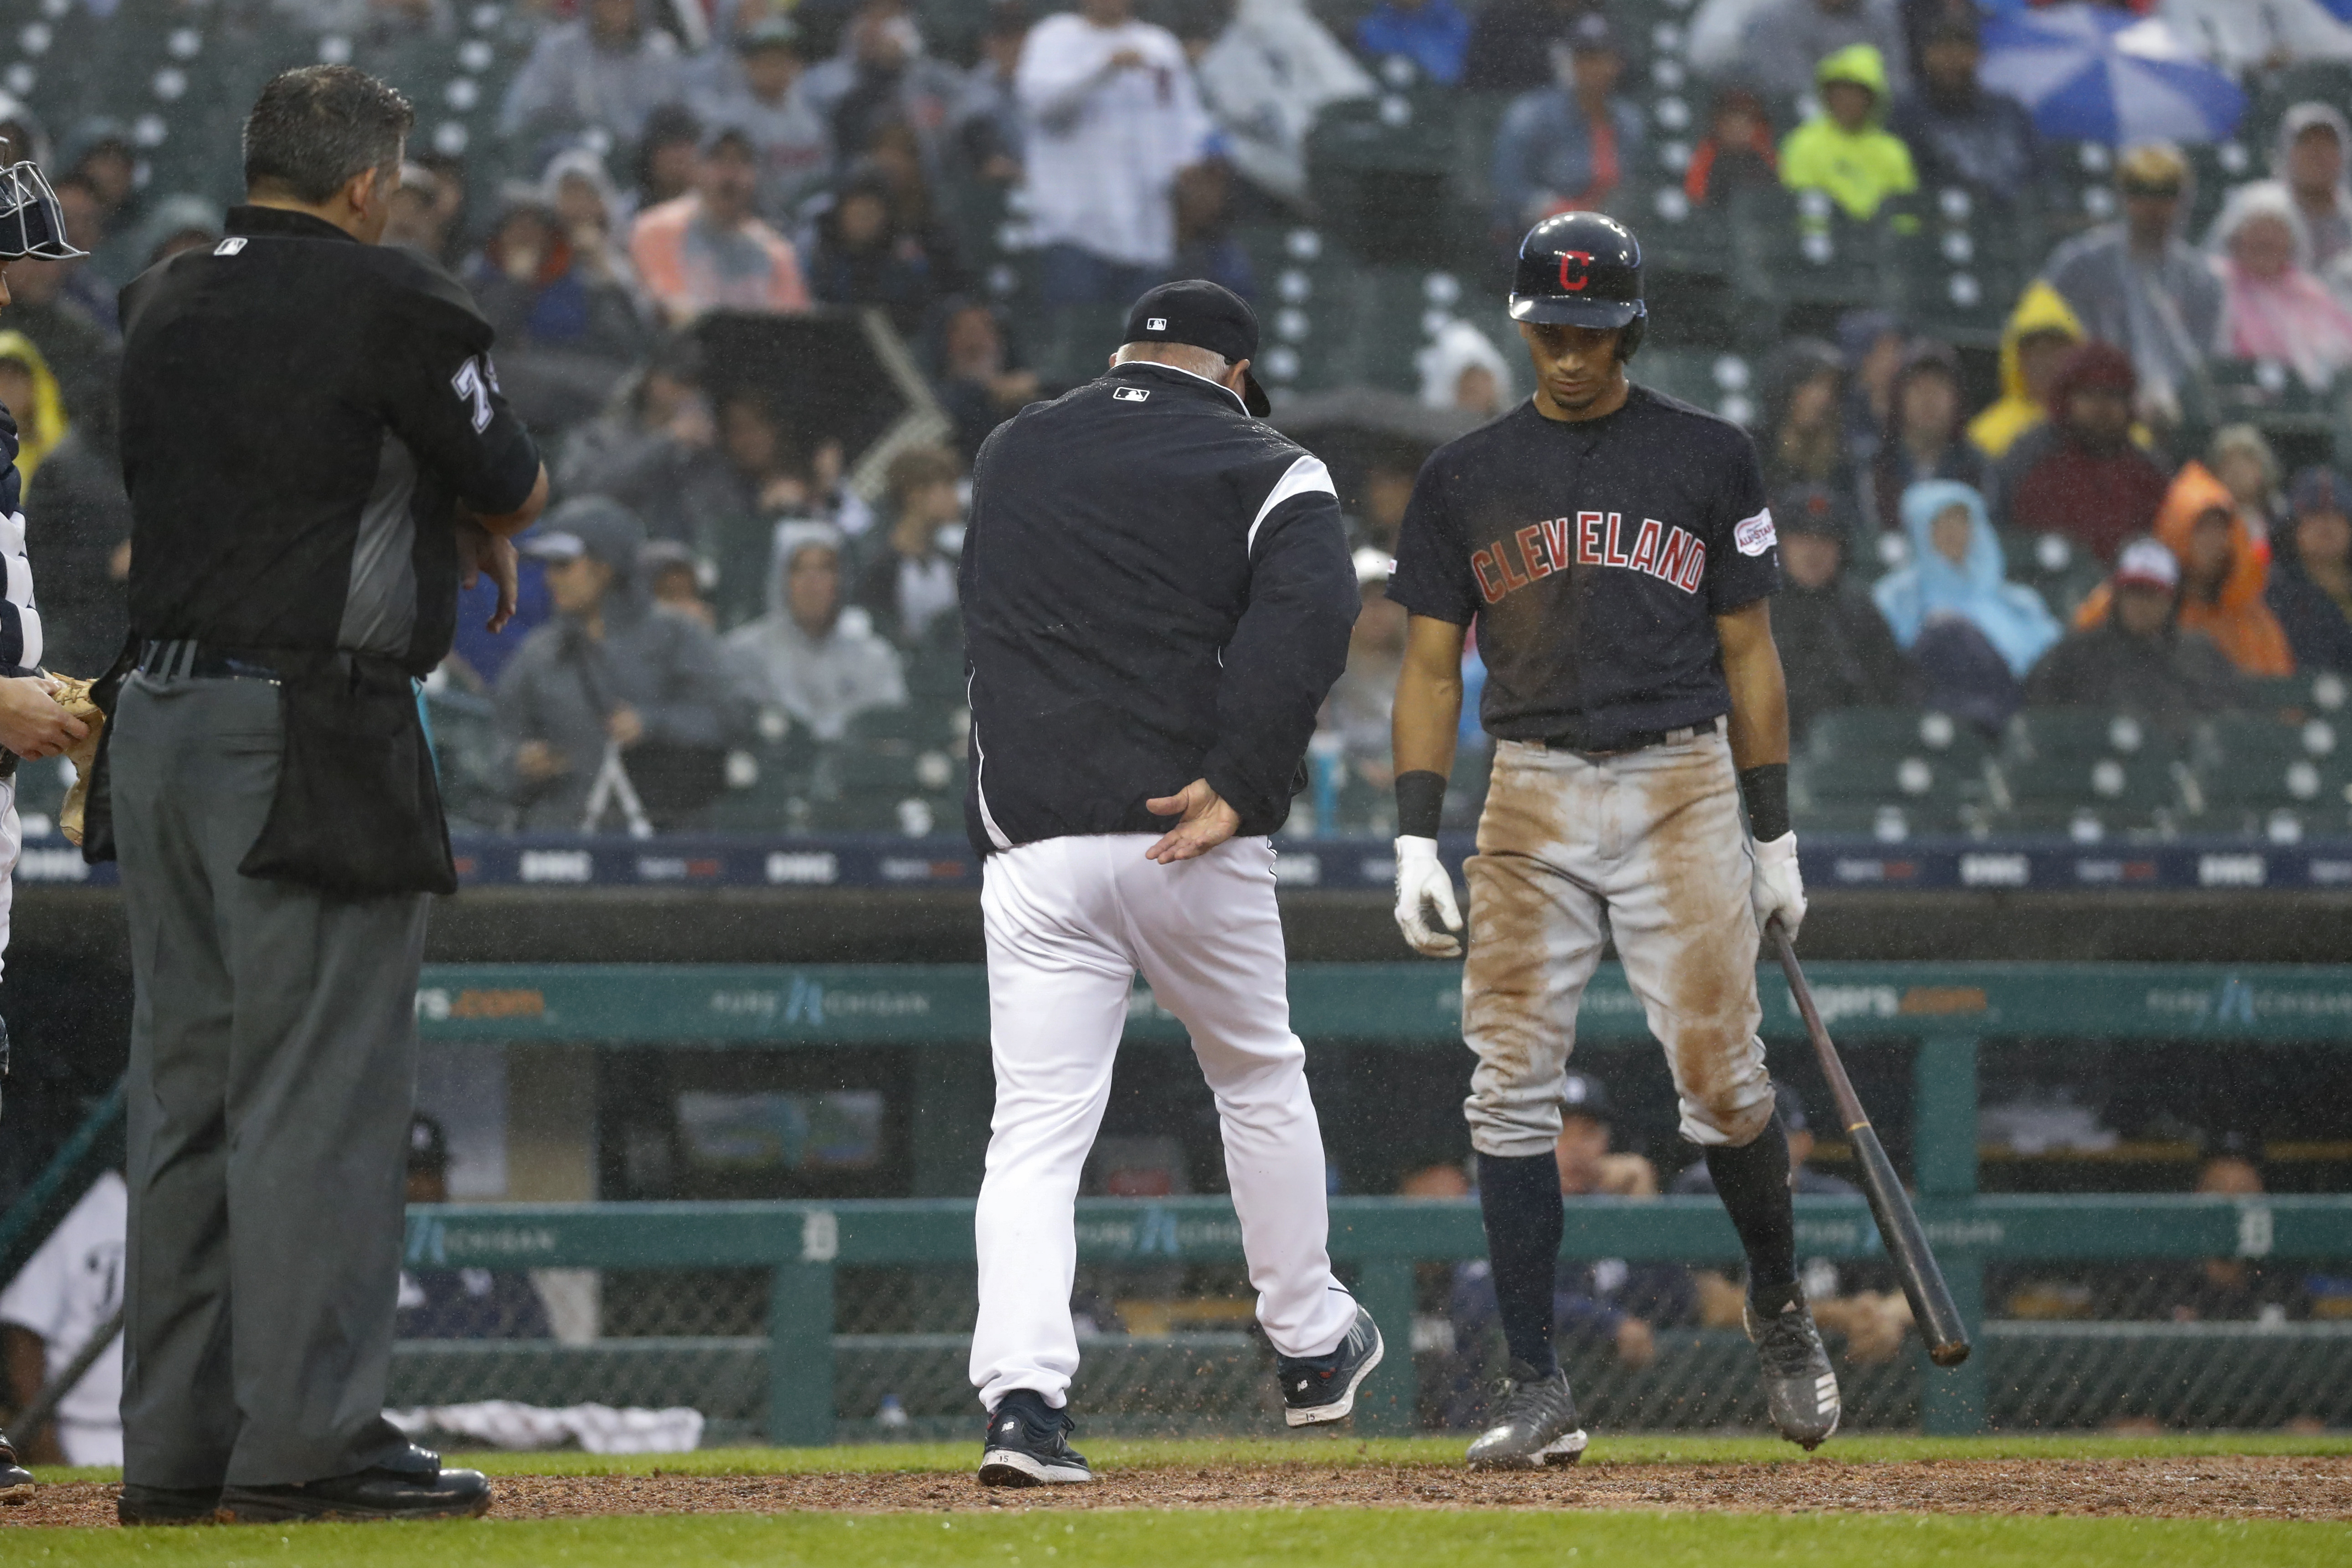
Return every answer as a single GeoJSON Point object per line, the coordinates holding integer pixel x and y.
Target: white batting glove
{"type": "Point", "coordinates": [1778, 889]}
{"type": "Point", "coordinates": [1422, 886]}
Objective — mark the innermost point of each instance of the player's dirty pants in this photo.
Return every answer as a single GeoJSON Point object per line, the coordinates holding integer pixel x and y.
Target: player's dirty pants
{"type": "Point", "coordinates": [1070, 921]}
{"type": "Point", "coordinates": [273, 1068]}
{"type": "Point", "coordinates": [1654, 837]}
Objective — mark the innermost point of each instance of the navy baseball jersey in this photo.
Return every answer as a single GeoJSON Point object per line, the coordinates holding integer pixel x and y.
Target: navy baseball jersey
{"type": "Point", "coordinates": [1593, 558]}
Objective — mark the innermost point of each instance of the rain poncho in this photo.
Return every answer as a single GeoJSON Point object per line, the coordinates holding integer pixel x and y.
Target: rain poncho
{"type": "Point", "coordinates": [2040, 308]}
{"type": "Point", "coordinates": [40, 427]}
{"type": "Point", "coordinates": [1858, 169]}
{"type": "Point", "coordinates": [2291, 318]}
{"type": "Point", "coordinates": [2011, 616]}
{"type": "Point", "coordinates": [2238, 619]}
{"type": "Point", "coordinates": [2325, 236]}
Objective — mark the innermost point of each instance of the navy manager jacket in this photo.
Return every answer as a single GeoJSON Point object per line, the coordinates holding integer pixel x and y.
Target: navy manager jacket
{"type": "Point", "coordinates": [1156, 588]}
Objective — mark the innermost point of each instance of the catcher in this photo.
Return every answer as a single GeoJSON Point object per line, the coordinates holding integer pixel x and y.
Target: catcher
{"type": "Point", "coordinates": [34, 721]}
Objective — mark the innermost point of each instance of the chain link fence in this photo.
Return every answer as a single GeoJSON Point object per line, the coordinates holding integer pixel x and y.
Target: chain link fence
{"type": "Point", "coordinates": [1172, 1349]}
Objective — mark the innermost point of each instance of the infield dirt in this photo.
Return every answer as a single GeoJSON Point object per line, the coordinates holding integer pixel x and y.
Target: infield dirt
{"type": "Point", "coordinates": [2251, 1486]}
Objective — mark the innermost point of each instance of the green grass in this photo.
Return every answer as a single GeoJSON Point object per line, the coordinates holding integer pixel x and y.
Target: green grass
{"type": "Point", "coordinates": [1636, 1448]}
{"type": "Point", "coordinates": [1287, 1539]}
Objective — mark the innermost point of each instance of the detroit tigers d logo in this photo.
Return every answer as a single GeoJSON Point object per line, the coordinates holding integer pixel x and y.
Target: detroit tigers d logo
{"type": "Point", "coordinates": [1575, 271]}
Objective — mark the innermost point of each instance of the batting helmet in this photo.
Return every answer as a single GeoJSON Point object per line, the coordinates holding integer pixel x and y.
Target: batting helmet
{"type": "Point", "coordinates": [1581, 270]}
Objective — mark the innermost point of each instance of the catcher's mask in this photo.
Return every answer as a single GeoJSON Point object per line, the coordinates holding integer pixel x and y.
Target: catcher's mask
{"type": "Point", "coordinates": [31, 221]}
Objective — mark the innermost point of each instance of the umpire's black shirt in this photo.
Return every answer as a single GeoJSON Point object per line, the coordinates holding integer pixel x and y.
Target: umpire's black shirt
{"type": "Point", "coordinates": [1156, 588]}
{"type": "Point", "coordinates": [1593, 556]}
{"type": "Point", "coordinates": [300, 413]}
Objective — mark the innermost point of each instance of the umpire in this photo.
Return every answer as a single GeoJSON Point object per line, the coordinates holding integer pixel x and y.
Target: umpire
{"type": "Point", "coordinates": [316, 452]}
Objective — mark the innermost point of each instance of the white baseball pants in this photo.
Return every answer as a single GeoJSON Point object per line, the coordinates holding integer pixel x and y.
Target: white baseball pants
{"type": "Point", "coordinates": [12, 845]}
{"type": "Point", "coordinates": [1070, 921]}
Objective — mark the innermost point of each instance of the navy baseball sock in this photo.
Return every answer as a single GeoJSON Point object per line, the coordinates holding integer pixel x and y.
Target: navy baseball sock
{"type": "Point", "coordinates": [1519, 1199]}
{"type": "Point", "coordinates": [1753, 1182]}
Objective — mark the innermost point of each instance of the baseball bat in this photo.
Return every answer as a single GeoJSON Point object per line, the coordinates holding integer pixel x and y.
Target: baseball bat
{"type": "Point", "coordinates": [1932, 1307]}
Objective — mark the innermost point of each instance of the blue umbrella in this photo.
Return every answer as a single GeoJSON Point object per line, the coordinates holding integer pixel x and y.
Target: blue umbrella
{"type": "Point", "coordinates": [2093, 74]}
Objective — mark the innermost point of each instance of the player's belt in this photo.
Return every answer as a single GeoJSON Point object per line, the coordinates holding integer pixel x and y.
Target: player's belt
{"type": "Point", "coordinates": [1638, 741]}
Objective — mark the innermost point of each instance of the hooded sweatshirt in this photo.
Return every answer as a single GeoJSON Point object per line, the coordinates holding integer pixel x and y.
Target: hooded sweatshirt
{"type": "Point", "coordinates": [1859, 169]}
{"type": "Point", "coordinates": [821, 680]}
{"type": "Point", "coordinates": [2011, 616]}
{"type": "Point", "coordinates": [2237, 619]}
{"type": "Point", "coordinates": [2327, 236]}
{"type": "Point", "coordinates": [2054, 483]}
{"type": "Point", "coordinates": [40, 427]}
{"type": "Point", "coordinates": [2040, 308]}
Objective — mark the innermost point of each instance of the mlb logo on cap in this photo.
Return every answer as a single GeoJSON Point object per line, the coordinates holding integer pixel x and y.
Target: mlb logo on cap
{"type": "Point", "coordinates": [1156, 325]}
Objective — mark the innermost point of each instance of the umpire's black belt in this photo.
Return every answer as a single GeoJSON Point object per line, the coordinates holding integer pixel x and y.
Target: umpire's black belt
{"type": "Point", "coordinates": [188, 660]}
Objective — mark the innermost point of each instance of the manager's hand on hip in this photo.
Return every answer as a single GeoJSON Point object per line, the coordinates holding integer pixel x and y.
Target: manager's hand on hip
{"type": "Point", "coordinates": [1424, 887]}
{"type": "Point", "coordinates": [32, 725]}
{"type": "Point", "coordinates": [1778, 889]}
{"type": "Point", "coordinates": [1207, 822]}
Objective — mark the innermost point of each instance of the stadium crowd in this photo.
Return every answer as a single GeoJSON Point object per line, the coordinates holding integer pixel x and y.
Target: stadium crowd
{"type": "Point", "coordinates": [2063, 518]}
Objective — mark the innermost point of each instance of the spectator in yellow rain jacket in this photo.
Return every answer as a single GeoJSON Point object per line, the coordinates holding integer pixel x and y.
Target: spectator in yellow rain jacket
{"type": "Point", "coordinates": [1845, 150]}
{"type": "Point", "coordinates": [2040, 333]}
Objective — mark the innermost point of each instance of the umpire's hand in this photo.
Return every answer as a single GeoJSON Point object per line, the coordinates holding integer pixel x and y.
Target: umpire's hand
{"type": "Point", "coordinates": [1423, 888]}
{"type": "Point", "coordinates": [1207, 822]}
{"type": "Point", "coordinates": [32, 725]}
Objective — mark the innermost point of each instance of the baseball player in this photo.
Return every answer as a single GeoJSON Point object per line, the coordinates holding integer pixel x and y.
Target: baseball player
{"type": "Point", "coordinates": [32, 724]}
{"type": "Point", "coordinates": [1156, 595]}
{"type": "Point", "coordinates": [1613, 549]}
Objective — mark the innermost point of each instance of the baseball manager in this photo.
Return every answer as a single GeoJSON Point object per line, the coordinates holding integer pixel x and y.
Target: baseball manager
{"type": "Point", "coordinates": [1156, 595]}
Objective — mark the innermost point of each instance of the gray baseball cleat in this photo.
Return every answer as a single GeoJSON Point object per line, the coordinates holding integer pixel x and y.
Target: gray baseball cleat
{"type": "Point", "coordinates": [1798, 1386]}
{"type": "Point", "coordinates": [1321, 1388]}
{"type": "Point", "coordinates": [1534, 1424]}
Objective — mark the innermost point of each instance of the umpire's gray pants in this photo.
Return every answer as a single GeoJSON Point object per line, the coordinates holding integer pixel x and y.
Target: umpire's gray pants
{"type": "Point", "coordinates": [273, 1070]}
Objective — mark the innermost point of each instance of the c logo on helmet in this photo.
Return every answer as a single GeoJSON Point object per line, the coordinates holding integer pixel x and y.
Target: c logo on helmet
{"type": "Point", "coordinates": [1575, 271]}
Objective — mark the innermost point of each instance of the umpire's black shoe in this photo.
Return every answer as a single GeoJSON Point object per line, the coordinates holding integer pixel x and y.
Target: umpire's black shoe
{"type": "Point", "coordinates": [1799, 1387]}
{"type": "Point", "coordinates": [1323, 1388]}
{"type": "Point", "coordinates": [413, 1487]}
{"type": "Point", "coordinates": [168, 1505]}
{"type": "Point", "coordinates": [1026, 1444]}
{"type": "Point", "coordinates": [15, 1480]}
{"type": "Point", "coordinates": [1534, 1423]}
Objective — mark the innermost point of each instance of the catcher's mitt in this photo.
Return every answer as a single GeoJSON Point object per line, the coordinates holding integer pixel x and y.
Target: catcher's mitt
{"type": "Point", "coordinates": [73, 696]}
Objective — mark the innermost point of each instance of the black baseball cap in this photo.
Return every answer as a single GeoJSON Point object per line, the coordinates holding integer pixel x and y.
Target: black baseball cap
{"type": "Point", "coordinates": [1202, 315]}
{"type": "Point", "coordinates": [428, 1145]}
{"type": "Point", "coordinates": [1582, 1094]}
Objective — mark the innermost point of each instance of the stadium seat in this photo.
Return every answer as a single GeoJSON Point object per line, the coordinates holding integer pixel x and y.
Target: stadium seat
{"type": "Point", "coordinates": [1965, 266]}
{"type": "Point", "coordinates": [1712, 379]}
{"type": "Point", "coordinates": [2082, 735]}
{"type": "Point", "coordinates": [2282, 797]}
{"type": "Point", "coordinates": [2263, 741]}
{"type": "Point", "coordinates": [2054, 566]}
{"type": "Point", "coordinates": [2294, 698]}
{"type": "Point", "coordinates": [1889, 796]}
{"type": "Point", "coordinates": [1846, 734]}
{"type": "Point", "coordinates": [766, 789]}
{"type": "Point", "coordinates": [2088, 797]}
